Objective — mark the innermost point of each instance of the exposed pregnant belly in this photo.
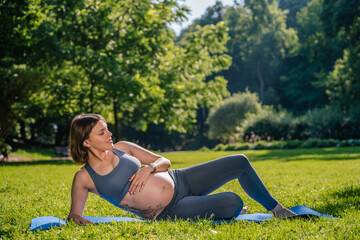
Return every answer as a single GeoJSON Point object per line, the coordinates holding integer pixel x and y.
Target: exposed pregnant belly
{"type": "Point", "coordinates": [156, 195]}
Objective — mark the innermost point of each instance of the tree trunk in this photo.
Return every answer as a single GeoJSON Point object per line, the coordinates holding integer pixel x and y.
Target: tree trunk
{"type": "Point", "coordinates": [60, 135]}
{"type": "Point", "coordinates": [261, 80]}
{"type": "Point", "coordinates": [91, 96]}
{"type": "Point", "coordinates": [116, 121]}
{"type": "Point", "coordinates": [32, 133]}
{"type": "Point", "coordinates": [22, 130]}
{"type": "Point", "coordinates": [5, 122]}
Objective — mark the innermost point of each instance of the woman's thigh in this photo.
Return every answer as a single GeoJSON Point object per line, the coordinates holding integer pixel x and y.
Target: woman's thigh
{"type": "Point", "coordinates": [217, 206]}
{"type": "Point", "coordinates": [209, 176]}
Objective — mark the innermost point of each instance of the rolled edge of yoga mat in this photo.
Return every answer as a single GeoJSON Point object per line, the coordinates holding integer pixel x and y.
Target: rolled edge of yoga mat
{"type": "Point", "coordinates": [47, 222]}
{"type": "Point", "coordinates": [302, 210]}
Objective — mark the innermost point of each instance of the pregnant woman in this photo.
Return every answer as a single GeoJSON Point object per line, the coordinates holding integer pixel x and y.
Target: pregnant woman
{"type": "Point", "coordinates": [139, 181]}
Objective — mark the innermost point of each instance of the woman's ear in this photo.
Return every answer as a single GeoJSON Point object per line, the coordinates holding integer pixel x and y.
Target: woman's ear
{"type": "Point", "coordinates": [86, 143]}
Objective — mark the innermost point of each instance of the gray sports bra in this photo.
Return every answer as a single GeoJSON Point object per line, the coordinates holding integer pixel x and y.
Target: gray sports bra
{"type": "Point", "coordinates": [114, 185]}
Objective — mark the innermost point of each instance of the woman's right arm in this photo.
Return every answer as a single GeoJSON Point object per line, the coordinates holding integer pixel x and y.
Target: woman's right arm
{"type": "Point", "coordinates": [79, 194]}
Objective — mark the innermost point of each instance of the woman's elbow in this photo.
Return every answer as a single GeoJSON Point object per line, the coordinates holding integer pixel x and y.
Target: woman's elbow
{"type": "Point", "coordinates": [168, 163]}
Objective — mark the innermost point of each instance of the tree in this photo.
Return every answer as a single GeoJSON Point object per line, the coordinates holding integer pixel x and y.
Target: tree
{"type": "Point", "coordinates": [185, 76]}
{"type": "Point", "coordinates": [113, 43]}
{"type": "Point", "coordinates": [63, 95]}
{"type": "Point", "coordinates": [122, 46]}
{"type": "Point", "coordinates": [26, 52]}
{"type": "Point", "coordinates": [259, 40]}
{"type": "Point", "coordinates": [343, 83]}
{"type": "Point", "coordinates": [304, 74]}
{"type": "Point", "coordinates": [119, 59]}
{"type": "Point", "coordinates": [293, 6]}
{"type": "Point", "coordinates": [212, 15]}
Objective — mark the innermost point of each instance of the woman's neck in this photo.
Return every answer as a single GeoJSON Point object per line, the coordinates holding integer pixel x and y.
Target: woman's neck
{"type": "Point", "coordinates": [97, 156]}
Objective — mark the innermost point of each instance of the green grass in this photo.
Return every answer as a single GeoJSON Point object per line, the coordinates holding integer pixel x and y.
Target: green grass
{"type": "Point", "coordinates": [31, 154]}
{"type": "Point", "coordinates": [327, 180]}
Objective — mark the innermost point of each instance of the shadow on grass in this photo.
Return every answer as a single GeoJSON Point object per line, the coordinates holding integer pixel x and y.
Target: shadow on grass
{"type": "Point", "coordinates": [319, 154]}
{"type": "Point", "coordinates": [340, 201]}
{"type": "Point", "coordinates": [39, 162]}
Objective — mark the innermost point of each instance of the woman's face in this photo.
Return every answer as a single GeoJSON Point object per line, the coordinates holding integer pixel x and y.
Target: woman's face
{"type": "Point", "coordinates": [99, 138]}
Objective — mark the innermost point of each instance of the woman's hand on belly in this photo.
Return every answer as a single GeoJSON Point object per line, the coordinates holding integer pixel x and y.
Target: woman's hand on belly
{"type": "Point", "coordinates": [139, 179]}
{"type": "Point", "coordinates": [154, 197]}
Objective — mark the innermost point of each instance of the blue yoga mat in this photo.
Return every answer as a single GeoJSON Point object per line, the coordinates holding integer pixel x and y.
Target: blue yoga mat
{"type": "Point", "coordinates": [41, 223]}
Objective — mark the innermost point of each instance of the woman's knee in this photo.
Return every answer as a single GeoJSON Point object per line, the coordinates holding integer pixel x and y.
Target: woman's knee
{"type": "Point", "coordinates": [240, 160]}
{"type": "Point", "coordinates": [234, 203]}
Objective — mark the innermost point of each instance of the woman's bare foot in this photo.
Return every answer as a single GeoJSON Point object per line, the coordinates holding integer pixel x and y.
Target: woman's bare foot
{"type": "Point", "coordinates": [282, 212]}
{"type": "Point", "coordinates": [244, 210]}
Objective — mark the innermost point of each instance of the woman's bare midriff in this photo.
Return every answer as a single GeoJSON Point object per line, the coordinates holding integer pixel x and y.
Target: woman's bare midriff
{"type": "Point", "coordinates": [156, 195]}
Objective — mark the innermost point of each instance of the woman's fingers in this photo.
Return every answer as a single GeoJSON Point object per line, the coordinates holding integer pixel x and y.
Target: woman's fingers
{"type": "Point", "coordinates": [136, 187]}
{"type": "Point", "coordinates": [138, 181]}
{"type": "Point", "coordinates": [82, 221]}
{"type": "Point", "coordinates": [141, 187]}
{"type": "Point", "coordinates": [87, 221]}
{"type": "Point", "coordinates": [132, 177]}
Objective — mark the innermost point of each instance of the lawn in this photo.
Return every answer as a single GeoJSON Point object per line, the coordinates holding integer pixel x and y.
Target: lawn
{"type": "Point", "coordinates": [327, 180]}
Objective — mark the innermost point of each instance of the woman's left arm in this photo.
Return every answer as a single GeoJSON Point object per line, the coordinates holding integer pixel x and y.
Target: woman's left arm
{"type": "Point", "coordinates": [146, 157]}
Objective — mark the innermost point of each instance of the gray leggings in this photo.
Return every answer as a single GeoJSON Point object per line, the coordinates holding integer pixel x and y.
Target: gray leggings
{"type": "Point", "coordinates": [193, 184]}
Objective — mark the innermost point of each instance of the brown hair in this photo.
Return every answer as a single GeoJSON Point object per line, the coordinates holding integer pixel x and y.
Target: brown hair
{"type": "Point", "coordinates": [80, 129]}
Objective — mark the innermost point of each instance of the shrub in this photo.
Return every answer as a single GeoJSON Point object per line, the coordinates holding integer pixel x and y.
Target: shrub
{"type": "Point", "coordinates": [291, 144]}
{"type": "Point", "coordinates": [5, 150]}
{"type": "Point", "coordinates": [268, 124]}
{"type": "Point", "coordinates": [225, 118]}
{"type": "Point", "coordinates": [204, 149]}
{"type": "Point", "coordinates": [330, 122]}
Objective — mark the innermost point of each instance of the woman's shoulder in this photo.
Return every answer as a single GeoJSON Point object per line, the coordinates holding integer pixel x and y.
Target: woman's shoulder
{"type": "Point", "coordinates": [82, 175]}
{"type": "Point", "coordinates": [82, 180]}
{"type": "Point", "coordinates": [124, 146]}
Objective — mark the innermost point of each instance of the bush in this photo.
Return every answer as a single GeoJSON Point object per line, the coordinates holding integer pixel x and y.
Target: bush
{"type": "Point", "coordinates": [330, 122]}
{"type": "Point", "coordinates": [323, 123]}
{"type": "Point", "coordinates": [5, 150]}
{"type": "Point", "coordinates": [291, 144]}
{"type": "Point", "coordinates": [225, 118]}
{"type": "Point", "coordinates": [268, 124]}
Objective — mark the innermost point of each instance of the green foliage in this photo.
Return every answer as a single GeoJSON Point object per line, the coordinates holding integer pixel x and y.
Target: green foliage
{"type": "Point", "coordinates": [267, 124]}
{"type": "Point", "coordinates": [340, 86]}
{"type": "Point", "coordinates": [118, 46]}
{"type": "Point", "coordinates": [224, 118]}
{"type": "Point", "coordinates": [119, 59]}
{"type": "Point", "coordinates": [212, 16]}
{"type": "Point", "coordinates": [259, 40]}
{"type": "Point", "coordinates": [320, 123]}
{"type": "Point", "coordinates": [25, 52]}
{"type": "Point", "coordinates": [343, 84]}
{"type": "Point", "coordinates": [293, 6]}
{"type": "Point", "coordinates": [289, 144]}
{"type": "Point", "coordinates": [305, 73]}
{"type": "Point", "coordinates": [185, 81]}
{"type": "Point", "coordinates": [337, 14]}
{"type": "Point", "coordinates": [311, 177]}
{"type": "Point", "coordinates": [5, 150]}
{"type": "Point", "coordinates": [330, 122]}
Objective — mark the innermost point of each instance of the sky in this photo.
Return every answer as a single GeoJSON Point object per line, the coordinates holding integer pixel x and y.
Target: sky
{"type": "Point", "coordinates": [197, 8]}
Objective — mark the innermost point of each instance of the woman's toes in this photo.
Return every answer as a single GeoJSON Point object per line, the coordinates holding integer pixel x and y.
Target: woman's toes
{"type": "Point", "coordinates": [244, 210]}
